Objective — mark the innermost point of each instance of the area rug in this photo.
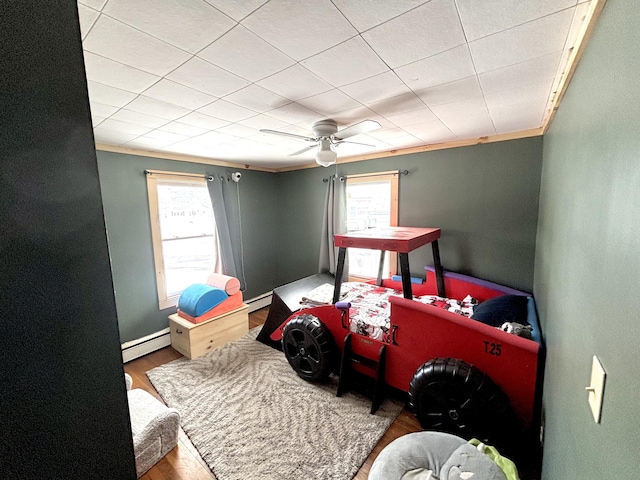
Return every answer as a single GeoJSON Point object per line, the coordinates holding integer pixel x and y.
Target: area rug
{"type": "Point", "coordinates": [251, 417]}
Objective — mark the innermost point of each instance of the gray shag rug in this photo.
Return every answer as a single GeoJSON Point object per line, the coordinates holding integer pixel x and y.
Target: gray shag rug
{"type": "Point", "coordinates": [251, 417]}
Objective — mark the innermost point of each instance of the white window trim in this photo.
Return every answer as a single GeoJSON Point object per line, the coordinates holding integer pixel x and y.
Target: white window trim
{"type": "Point", "coordinates": [164, 301]}
{"type": "Point", "coordinates": [392, 177]}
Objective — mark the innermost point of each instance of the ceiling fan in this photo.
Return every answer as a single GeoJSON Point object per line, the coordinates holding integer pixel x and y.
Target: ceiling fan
{"type": "Point", "coordinates": [326, 136]}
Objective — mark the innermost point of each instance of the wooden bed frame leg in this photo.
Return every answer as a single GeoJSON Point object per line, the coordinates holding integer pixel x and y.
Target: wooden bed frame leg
{"type": "Point", "coordinates": [378, 392]}
{"type": "Point", "coordinates": [344, 366]}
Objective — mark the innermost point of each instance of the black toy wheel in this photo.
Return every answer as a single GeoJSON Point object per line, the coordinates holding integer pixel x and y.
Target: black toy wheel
{"type": "Point", "coordinates": [308, 346]}
{"type": "Point", "coordinates": [450, 395]}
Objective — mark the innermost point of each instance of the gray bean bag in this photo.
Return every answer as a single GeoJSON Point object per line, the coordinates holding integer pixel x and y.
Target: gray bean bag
{"type": "Point", "coordinates": [433, 456]}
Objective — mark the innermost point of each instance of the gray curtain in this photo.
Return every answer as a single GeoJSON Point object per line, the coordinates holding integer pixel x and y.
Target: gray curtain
{"type": "Point", "coordinates": [219, 189]}
{"type": "Point", "coordinates": [334, 222]}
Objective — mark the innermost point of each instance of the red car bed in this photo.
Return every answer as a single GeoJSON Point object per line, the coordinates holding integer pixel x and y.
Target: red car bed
{"type": "Point", "coordinates": [441, 341]}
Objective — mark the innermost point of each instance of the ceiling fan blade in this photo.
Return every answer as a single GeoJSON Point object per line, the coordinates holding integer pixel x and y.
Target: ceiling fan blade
{"type": "Point", "coordinates": [285, 134]}
{"type": "Point", "coordinates": [305, 149]}
{"type": "Point", "coordinates": [354, 143]}
{"type": "Point", "coordinates": [362, 127]}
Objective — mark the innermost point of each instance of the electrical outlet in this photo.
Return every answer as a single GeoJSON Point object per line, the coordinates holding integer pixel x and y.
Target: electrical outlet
{"type": "Point", "coordinates": [596, 388]}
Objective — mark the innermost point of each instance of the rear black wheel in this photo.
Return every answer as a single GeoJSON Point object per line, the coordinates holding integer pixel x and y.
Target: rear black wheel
{"type": "Point", "coordinates": [450, 395]}
{"type": "Point", "coordinates": [308, 346]}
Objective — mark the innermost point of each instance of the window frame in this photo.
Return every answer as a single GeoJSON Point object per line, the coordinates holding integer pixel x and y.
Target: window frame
{"type": "Point", "coordinates": [153, 176]}
{"type": "Point", "coordinates": [392, 178]}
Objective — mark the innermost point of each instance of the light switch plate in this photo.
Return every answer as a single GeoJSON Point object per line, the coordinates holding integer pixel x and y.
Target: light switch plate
{"type": "Point", "coordinates": [596, 388]}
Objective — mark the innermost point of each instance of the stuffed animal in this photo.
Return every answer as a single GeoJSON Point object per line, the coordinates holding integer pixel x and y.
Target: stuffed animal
{"type": "Point", "coordinates": [517, 329]}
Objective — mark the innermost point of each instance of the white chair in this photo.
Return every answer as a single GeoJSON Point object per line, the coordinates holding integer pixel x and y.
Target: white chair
{"type": "Point", "coordinates": [154, 426]}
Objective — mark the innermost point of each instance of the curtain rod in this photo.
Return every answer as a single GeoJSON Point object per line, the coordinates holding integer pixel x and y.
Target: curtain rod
{"type": "Point", "coordinates": [366, 175]}
{"type": "Point", "coordinates": [175, 174]}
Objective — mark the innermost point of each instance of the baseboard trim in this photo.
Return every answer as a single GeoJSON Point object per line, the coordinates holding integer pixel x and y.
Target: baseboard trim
{"type": "Point", "coordinates": [261, 301]}
{"type": "Point", "coordinates": [145, 345]}
{"type": "Point", "coordinates": [155, 341]}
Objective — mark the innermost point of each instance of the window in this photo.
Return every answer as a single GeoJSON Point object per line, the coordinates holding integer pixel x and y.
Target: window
{"type": "Point", "coordinates": [185, 241]}
{"type": "Point", "coordinates": [372, 202]}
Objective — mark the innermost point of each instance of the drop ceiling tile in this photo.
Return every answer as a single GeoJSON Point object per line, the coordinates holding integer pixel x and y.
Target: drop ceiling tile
{"type": "Point", "coordinates": [405, 141]}
{"type": "Point", "coordinates": [87, 17]}
{"type": "Point", "coordinates": [537, 92]}
{"type": "Point", "coordinates": [442, 68]}
{"type": "Point", "coordinates": [431, 132]}
{"type": "Point", "coordinates": [451, 92]}
{"type": "Point", "coordinates": [137, 118]}
{"type": "Point", "coordinates": [182, 129]}
{"type": "Point", "coordinates": [157, 108]}
{"type": "Point", "coordinates": [257, 60]}
{"type": "Point", "coordinates": [112, 39]}
{"type": "Point", "coordinates": [145, 142]}
{"type": "Point", "coordinates": [207, 78]}
{"type": "Point", "coordinates": [520, 74]}
{"type": "Point", "coordinates": [363, 14]}
{"type": "Point", "coordinates": [376, 88]}
{"type": "Point", "coordinates": [164, 135]}
{"type": "Point", "coordinates": [111, 137]}
{"type": "Point", "coordinates": [517, 117]}
{"type": "Point", "coordinates": [276, 20]}
{"type": "Point", "coordinates": [295, 83]}
{"type": "Point", "coordinates": [479, 125]}
{"type": "Point", "coordinates": [385, 134]}
{"type": "Point", "coordinates": [95, 4]}
{"type": "Point", "coordinates": [109, 95]}
{"type": "Point", "coordinates": [227, 111]}
{"type": "Point", "coordinates": [208, 140]}
{"type": "Point", "coordinates": [354, 115]}
{"type": "Point", "coordinates": [114, 74]}
{"type": "Point", "coordinates": [237, 10]}
{"type": "Point", "coordinates": [176, 94]}
{"type": "Point", "coordinates": [201, 120]}
{"type": "Point", "coordinates": [124, 127]}
{"type": "Point", "coordinates": [237, 130]}
{"type": "Point", "coordinates": [424, 31]}
{"type": "Point", "coordinates": [295, 113]}
{"type": "Point", "coordinates": [185, 24]}
{"type": "Point", "coordinates": [257, 99]}
{"type": "Point", "coordinates": [407, 102]}
{"type": "Point", "coordinates": [525, 42]}
{"type": "Point", "coordinates": [450, 112]}
{"type": "Point", "coordinates": [263, 121]}
{"type": "Point", "coordinates": [480, 19]}
{"type": "Point", "coordinates": [347, 62]}
{"type": "Point", "coordinates": [329, 102]}
{"type": "Point", "coordinates": [102, 110]}
{"type": "Point", "coordinates": [411, 118]}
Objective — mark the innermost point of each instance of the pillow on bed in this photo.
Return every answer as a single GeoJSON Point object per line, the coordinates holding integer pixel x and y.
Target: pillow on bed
{"type": "Point", "coordinates": [498, 310]}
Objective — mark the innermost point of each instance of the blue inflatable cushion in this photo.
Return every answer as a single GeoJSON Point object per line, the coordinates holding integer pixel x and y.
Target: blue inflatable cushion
{"type": "Point", "coordinates": [198, 299]}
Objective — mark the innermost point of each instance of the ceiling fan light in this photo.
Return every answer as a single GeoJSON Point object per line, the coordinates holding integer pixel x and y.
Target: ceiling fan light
{"type": "Point", "coordinates": [326, 155]}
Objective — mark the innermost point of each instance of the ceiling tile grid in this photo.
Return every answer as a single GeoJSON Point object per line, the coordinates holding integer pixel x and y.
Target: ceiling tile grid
{"type": "Point", "coordinates": [201, 78]}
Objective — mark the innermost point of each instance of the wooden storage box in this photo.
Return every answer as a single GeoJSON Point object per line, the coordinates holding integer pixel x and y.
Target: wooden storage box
{"type": "Point", "coordinates": [194, 339]}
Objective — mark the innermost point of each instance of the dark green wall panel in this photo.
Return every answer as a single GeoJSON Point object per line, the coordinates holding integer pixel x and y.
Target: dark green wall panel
{"type": "Point", "coordinates": [484, 197]}
{"type": "Point", "coordinates": [587, 263]}
{"type": "Point", "coordinates": [126, 207]}
{"type": "Point", "coordinates": [64, 411]}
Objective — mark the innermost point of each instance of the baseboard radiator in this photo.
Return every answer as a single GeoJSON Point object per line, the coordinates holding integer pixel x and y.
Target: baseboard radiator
{"type": "Point", "coordinates": [155, 341]}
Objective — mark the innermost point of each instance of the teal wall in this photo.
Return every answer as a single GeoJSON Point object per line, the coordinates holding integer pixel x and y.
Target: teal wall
{"type": "Point", "coordinates": [124, 191]}
{"type": "Point", "coordinates": [587, 269]}
{"type": "Point", "coordinates": [483, 197]}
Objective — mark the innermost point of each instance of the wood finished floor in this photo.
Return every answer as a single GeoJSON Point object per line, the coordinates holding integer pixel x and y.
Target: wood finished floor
{"type": "Point", "coordinates": [184, 462]}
